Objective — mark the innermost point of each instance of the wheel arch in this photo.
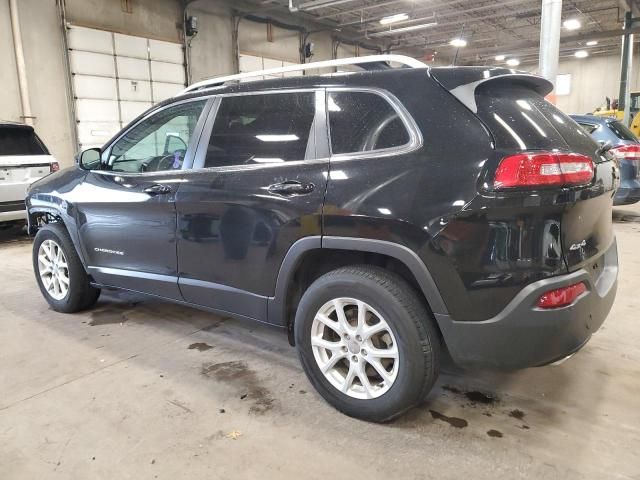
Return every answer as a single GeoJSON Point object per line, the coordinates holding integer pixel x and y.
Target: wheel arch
{"type": "Point", "coordinates": [341, 251]}
{"type": "Point", "coordinates": [37, 216]}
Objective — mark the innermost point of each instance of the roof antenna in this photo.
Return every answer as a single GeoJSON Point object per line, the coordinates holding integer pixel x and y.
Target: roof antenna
{"type": "Point", "coordinates": [455, 58]}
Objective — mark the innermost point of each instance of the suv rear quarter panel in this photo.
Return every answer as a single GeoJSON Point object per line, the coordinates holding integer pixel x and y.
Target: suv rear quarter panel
{"type": "Point", "coordinates": [428, 201]}
{"type": "Point", "coordinates": [410, 198]}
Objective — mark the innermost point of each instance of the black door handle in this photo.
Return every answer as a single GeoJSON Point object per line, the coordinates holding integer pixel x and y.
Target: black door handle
{"type": "Point", "coordinates": [291, 187]}
{"type": "Point", "coordinates": [157, 189]}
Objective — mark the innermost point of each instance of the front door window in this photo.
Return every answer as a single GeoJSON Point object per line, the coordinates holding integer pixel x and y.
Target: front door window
{"type": "Point", "coordinates": [157, 143]}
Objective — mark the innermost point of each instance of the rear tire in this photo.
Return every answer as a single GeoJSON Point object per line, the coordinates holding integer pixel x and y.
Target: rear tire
{"type": "Point", "coordinates": [62, 279]}
{"type": "Point", "coordinates": [406, 344]}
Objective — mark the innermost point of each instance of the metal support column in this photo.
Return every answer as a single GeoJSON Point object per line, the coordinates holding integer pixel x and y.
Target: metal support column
{"type": "Point", "coordinates": [550, 42]}
{"type": "Point", "coordinates": [624, 97]}
{"type": "Point", "coordinates": [20, 63]}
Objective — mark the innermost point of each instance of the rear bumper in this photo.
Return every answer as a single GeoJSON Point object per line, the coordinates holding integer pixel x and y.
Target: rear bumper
{"type": "Point", "coordinates": [627, 195]}
{"type": "Point", "coordinates": [523, 335]}
{"type": "Point", "coordinates": [14, 210]}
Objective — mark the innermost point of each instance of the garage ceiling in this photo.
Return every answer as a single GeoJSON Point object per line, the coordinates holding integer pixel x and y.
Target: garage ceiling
{"type": "Point", "coordinates": [510, 27]}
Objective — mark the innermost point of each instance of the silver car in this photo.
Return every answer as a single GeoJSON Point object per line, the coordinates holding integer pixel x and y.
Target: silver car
{"type": "Point", "coordinates": [23, 160]}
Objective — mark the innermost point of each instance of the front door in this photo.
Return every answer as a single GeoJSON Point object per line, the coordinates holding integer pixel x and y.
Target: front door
{"type": "Point", "coordinates": [126, 209]}
{"type": "Point", "coordinates": [257, 186]}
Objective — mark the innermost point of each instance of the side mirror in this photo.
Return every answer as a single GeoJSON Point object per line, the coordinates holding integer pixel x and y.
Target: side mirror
{"type": "Point", "coordinates": [89, 159]}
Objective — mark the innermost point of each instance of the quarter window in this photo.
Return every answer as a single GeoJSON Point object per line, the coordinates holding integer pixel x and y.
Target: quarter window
{"type": "Point", "coordinates": [159, 142]}
{"type": "Point", "coordinates": [262, 129]}
{"type": "Point", "coordinates": [363, 122]}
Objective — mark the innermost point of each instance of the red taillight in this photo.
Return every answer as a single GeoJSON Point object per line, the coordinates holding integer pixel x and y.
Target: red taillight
{"type": "Point", "coordinates": [543, 169]}
{"type": "Point", "coordinates": [54, 167]}
{"type": "Point", "coordinates": [627, 152]}
{"type": "Point", "coordinates": [561, 297]}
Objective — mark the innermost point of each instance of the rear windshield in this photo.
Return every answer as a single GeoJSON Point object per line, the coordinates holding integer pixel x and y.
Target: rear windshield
{"type": "Point", "coordinates": [521, 119]}
{"type": "Point", "coordinates": [20, 141]}
{"type": "Point", "coordinates": [622, 132]}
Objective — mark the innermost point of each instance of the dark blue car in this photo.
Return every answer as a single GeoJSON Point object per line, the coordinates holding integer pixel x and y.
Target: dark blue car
{"type": "Point", "coordinates": [626, 148]}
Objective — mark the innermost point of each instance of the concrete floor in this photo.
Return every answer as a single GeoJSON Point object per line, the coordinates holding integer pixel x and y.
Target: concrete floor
{"type": "Point", "coordinates": [142, 389]}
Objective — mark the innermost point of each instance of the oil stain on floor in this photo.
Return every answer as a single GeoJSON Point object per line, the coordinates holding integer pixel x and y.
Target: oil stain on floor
{"type": "Point", "coordinates": [517, 414]}
{"type": "Point", "coordinates": [453, 421]}
{"type": "Point", "coordinates": [474, 396]}
{"type": "Point", "coordinates": [245, 380]}
{"type": "Point", "coordinates": [200, 346]}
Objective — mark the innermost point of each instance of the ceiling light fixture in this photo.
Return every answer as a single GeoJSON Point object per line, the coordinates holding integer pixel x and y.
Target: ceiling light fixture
{"type": "Point", "coordinates": [591, 43]}
{"type": "Point", "coordinates": [500, 58]}
{"type": "Point", "coordinates": [513, 62]}
{"type": "Point", "coordinates": [402, 30]}
{"type": "Point", "coordinates": [398, 17]}
{"type": "Point", "coordinates": [581, 54]}
{"type": "Point", "coordinates": [572, 24]}
{"type": "Point", "coordinates": [458, 42]}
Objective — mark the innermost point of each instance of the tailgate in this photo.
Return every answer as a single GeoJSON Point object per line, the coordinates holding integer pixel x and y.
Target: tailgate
{"type": "Point", "coordinates": [513, 108]}
{"type": "Point", "coordinates": [18, 172]}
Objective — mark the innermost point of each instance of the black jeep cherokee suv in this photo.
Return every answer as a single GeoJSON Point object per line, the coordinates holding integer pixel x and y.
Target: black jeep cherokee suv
{"type": "Point", "coordinates": [377, 216]}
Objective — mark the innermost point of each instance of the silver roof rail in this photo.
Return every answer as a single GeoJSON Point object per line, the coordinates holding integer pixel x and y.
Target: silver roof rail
{"type": "Point", "coordinates": [213, 82]}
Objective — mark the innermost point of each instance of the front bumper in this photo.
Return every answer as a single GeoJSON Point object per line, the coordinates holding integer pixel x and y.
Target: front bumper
{"type": "Point", "coordinates": [523, 335]}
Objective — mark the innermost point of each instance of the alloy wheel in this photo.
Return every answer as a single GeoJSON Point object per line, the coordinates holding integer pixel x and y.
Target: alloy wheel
{"type": "Point", "coordinates": [354, 348]}
{"type": "Point", "coordinates": [53, 269]}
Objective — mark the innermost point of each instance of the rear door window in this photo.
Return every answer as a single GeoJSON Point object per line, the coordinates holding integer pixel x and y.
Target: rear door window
{"type": "Point", "coordinates": [364, 122]}
{"type": "Point", "coordinates": [262, 129]}
{"type": "Point", "coordinates": [20, 141]}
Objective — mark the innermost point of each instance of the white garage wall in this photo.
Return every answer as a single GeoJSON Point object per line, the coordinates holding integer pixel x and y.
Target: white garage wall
{"type": "Point", "coordinates": [117, 77]}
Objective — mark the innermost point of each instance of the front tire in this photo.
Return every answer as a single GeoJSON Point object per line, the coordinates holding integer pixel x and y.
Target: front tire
{"type": "Point", "coordinates": [59, 271]}
{"type": "Point", "coordinates": [367, 342]}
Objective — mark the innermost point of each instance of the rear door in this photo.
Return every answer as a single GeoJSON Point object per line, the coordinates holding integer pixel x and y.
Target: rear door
{"type": "Point", "coordinates": [23, 160]}
{"type": "Point", "coordinates": [257, 187]}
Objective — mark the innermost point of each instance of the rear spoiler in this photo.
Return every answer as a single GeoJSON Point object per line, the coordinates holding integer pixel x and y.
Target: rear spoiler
{"type": "Point", "coordinates": [463, 82]}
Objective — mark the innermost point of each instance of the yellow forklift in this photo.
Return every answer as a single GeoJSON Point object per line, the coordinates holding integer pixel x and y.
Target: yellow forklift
{"type": "Point", "coordinates": [611, 110]}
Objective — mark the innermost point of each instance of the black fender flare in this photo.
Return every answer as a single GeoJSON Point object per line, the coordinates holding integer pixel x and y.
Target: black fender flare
{"type": "Point", "coordinates": [276, 304]}
{"type": "Point", "coordinates": [68, 221]}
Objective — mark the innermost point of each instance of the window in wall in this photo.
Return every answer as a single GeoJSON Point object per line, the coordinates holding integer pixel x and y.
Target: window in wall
{"type": "Point", "coordinates": [126, 6]}
{"type": "Point", "coordinates": [258, 129]}
{"type": "Point", "coordinates": [363, 122]}
{"type": "Point", "coordinates": [563, 84]}
{"type": "Point", "coordinates": [159, 142]}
